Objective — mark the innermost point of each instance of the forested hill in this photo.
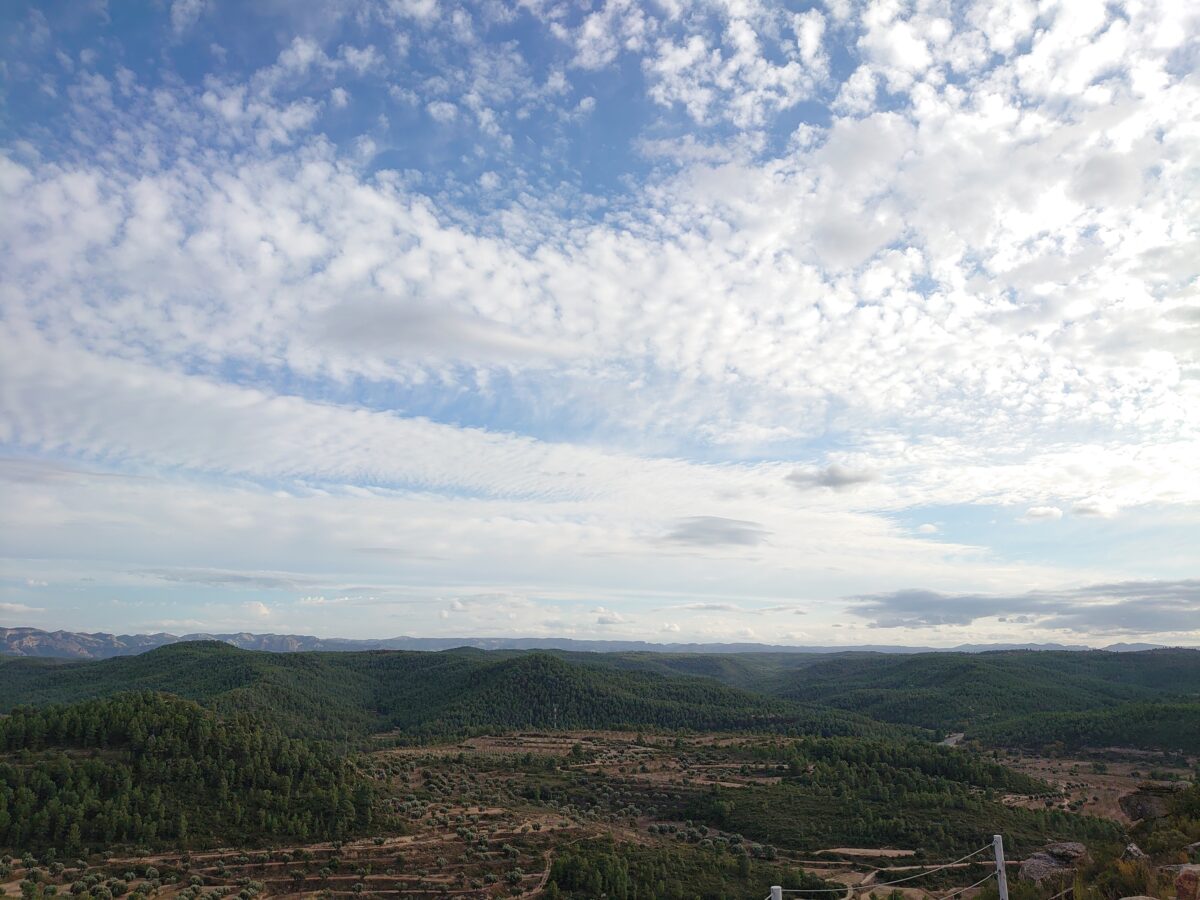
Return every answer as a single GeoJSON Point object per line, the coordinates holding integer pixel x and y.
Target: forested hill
{"type": "Point", "coordinates": [1148, 699]}
{"type": "Point", "coordinates": [149, 768]}
{"type": "Point", "coordinates": [961, 692]}
{"type": "Point", "coordinates": [341, 695]}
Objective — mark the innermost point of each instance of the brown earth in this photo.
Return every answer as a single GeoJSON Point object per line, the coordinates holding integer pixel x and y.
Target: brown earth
{"type": "Point", "coordinates": [1077, 782]}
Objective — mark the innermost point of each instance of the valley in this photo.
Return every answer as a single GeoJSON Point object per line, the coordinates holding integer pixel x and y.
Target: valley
{"type": "Point", "coordinates": [203, 771]}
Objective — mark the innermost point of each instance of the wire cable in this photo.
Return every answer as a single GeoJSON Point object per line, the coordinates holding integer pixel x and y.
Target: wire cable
{"type": "Point", "coordinates": [889, 883]}
{"type": "Point", "coordinates": [931, 871]}
{"type": "Point", "coordinates": [969, 887]}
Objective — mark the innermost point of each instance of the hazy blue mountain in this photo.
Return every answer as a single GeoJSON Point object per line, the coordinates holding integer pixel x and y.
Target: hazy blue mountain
{"type": "Point", "coordinates": [100, 645]}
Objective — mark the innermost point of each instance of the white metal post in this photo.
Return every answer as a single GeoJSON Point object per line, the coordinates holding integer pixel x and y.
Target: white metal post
{"type": "Point", "coordinates": [1001, 878]}
{"type": "Point", "coordinates": [776, 892]}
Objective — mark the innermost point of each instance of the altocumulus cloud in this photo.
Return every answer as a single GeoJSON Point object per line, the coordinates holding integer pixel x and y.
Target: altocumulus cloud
{"type": "Point", "coordinates": [804, 292]}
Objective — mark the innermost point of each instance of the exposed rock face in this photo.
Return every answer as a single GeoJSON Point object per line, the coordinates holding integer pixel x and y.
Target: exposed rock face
{"type": "Point", "coordinates": [1149, 801]}
{"type": "Point", "coordinates": [1134, 852]}
{"type": "Point", "coordinates": [1055, 861]}
{"type": "Point", "coordinates": [1187, 883]}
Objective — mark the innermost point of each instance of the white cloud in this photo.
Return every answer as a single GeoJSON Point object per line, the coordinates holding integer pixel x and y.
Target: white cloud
{"type": "Point", "coordinates": [442, 111]}
{"type": "Point", "coordinates": [17, 609]}
{"type": "Point", "coordinates": [320, 600]}
{"type": "Point", "coordinates": [608, 617]}
{"type": "Point", "coordinates": [257, 609]}
{"type": "Point", "coordinates": [974, 284]}
{"type": "Point", "coordinates": [186, 13]}
{"type": "Point", "coordinates": [618, 25]}
{"type": "Point", "coordinates": [1094, 506]}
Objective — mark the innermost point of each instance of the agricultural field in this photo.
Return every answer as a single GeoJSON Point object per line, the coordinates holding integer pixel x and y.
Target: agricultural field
{"type": "Point", "coordinates": [499, 816]}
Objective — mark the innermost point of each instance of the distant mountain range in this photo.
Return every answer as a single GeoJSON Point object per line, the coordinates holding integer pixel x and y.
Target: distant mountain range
{"type": "Point", "coordinates": [81, 645]}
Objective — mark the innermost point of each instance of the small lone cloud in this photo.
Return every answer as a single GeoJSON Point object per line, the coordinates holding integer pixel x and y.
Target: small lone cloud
{"type": "Point", "coordinates": [257, 608]}
{"type": "Point", "coordinates": [835, 477]}
{"type": "Point", "coordinates": [1042, 514]}
{"type": "Point", "coordinates": [608, 616]}
{"type": "Point", "coordinates": [670, 627]}
{"type": "Point", "coordinates": [715, 531]}
{"type": "Point", "coordinates": [1095, 506]}
{"type": "Point", "coordinates": [927, 528]}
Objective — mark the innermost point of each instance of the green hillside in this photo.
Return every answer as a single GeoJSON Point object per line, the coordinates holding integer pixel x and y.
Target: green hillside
{"type": "Point", "coordinates": [959, 691]}
{"type": "Point", "coordinates": [147, 768]}
{"type": "Point", "coordinates": [341, 695]}
{"type": "Point", "coordinates": [1148, 726]}
{"type": "Point", "coordinates": [1025, 697]}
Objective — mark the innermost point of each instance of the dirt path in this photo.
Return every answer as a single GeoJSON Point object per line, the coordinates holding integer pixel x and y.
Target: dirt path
{"type": "Point", "coordinates": [547, 858]}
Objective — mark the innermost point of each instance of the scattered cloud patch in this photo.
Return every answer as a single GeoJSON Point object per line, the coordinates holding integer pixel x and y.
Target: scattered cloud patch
{"type": "Point", "coordinates": [186, 13]}
{"type": "Point", "coordinates": [442, 111]}
{"type": "Point", "coordinates": [460, 297]}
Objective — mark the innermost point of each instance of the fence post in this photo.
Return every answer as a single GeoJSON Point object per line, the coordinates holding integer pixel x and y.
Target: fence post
{"type": "Point", "coordinates": [776, 892]}
{"type": "Point", "coordinates": [1001, 878]}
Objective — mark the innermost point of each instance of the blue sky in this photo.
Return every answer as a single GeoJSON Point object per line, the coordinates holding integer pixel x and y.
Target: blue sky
{"type": "Point", "coordinates": [842, 322]}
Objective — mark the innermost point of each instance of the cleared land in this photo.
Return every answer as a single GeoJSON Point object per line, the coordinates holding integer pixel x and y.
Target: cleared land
{"type": "Point", "coordinates": [486, 817]}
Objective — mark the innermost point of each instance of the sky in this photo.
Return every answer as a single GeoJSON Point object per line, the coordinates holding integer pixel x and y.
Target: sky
{"type": "Point", "coordinates": [853, 322]}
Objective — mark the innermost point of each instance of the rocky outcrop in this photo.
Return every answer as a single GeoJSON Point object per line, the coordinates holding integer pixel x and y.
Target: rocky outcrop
{"type": "Point", "coordinates": [1056, 861]}
{"type": "Point", "coordinates": [1187, 883]}
{"type": "Point", "coordinates": [1133, 852]}
{"type": "Point", "coordinates": [1149, 801]}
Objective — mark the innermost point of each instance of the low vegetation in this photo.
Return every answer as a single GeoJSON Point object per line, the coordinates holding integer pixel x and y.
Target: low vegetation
{"type": "Point", "coordinates": [199, 770]}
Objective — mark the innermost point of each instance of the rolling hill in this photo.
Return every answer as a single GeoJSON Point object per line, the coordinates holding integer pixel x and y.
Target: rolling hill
{"type": "Point", "coordinates": [421, 694]}
{"type": "Point", "coordinates": [957, 692]}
